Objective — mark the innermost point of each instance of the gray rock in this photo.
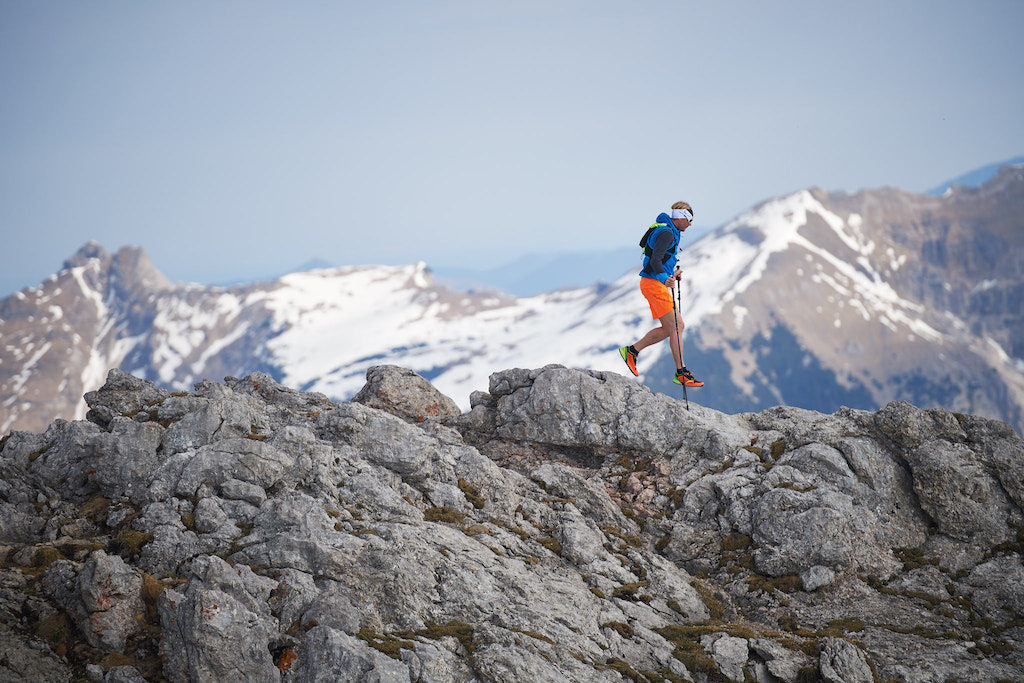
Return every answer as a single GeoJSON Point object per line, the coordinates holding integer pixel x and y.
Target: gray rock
{"type": "Point", "coordinates": [843, 662]}
{"type": "Point", "coordinates": [22, 659]}
{"type": "Point", "coordinates": [590, 498]}
{"type": "Point", "coordinates": [121, 394]}
{"type": "Point", "coordinates": [57, 457]}
{"type": "Point", "coordinates": [373, 434]}
{"type": "Point", "coordinates": [110, 599]}
{"type": "Point", "coordinates": [731, 655]}
{"type": "Point", "coordinates": [234, 489]}
{"type": "Point", "coordinates": [964, 500]}
{"type": "Point", "coordinates": [798, 529]}
{"type": "Point", "coordinates": [405, 394]}
{"type": "Point", "coordinates": [996, 588]}
{"type": "Point", "coordinates": [558, 406]}
{"type": "Point", "coordinates": [782, 662]}
{"type": "Point", "coordinates": [332, 655]}
{"type": "Point", "coordinates": [582, 542]}
{"type": "Point", "coordinates": [195, 422]}
{"type": "Point", "coordinates": [817, 576]}
{"type": "Point", "coordinates": [259, 463]}
{"type": "Point", "coordinates": [124, 458]}
{"type": "Point", "coordinates": [928, 580]}
{"type": "Point", "coordinates": [219, 627]}
{"type": "Point", "coordinates": [60, 582]}
{"type": "Point", "coordinates": [123, 674]}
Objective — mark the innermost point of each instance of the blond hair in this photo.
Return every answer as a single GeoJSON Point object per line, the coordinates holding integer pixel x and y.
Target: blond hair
{"type": "Point", "coordinates": [682, 205]}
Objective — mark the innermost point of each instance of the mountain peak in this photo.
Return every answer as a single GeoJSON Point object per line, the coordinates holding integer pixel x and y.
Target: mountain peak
{"type": "Point", "coordinates": [130, 268]}
{"type": "Point", "coordinates": [87, 252]}
{"type": "Point", "coordinates": [132, 265]}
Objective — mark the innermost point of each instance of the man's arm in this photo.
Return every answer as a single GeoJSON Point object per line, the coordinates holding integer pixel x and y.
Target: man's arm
{"type": "Point", "coordinates": [661, 246]}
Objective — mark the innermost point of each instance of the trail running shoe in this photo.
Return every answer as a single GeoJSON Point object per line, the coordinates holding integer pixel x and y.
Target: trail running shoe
{"type": "Point", "coordinates": [686, 378]}
{"type": "Point", "coordinates": [630, 359]}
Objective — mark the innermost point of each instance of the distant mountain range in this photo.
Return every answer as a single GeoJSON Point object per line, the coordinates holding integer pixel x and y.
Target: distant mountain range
{"type": "Point", "coordinates": [977, 177]}
{"type": "Point", "coordinates": [814, 299]}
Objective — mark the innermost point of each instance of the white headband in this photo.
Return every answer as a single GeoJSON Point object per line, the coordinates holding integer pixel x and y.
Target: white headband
{"type": "Point", "coordinates": [682, 213]}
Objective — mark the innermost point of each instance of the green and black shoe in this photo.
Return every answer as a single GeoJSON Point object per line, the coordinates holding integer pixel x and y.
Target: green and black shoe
{"type": "Point", "coordinates": [686, 378]}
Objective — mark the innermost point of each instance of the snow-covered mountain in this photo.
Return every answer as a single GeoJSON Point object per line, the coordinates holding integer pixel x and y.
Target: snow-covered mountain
{"type": "Point", "coordinates": [814, 299]}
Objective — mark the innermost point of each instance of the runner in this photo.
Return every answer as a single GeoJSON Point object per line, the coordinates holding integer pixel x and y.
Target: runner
{"type": "Point", "coordinates": [659, 275]}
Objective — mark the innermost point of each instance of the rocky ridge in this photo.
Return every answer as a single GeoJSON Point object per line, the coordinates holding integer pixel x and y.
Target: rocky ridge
{"type": "Point", "coordinates": [572, 525]}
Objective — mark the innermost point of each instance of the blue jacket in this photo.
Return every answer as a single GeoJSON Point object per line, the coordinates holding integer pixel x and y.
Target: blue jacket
{"type": "Point", "coordinates": [663, 243]}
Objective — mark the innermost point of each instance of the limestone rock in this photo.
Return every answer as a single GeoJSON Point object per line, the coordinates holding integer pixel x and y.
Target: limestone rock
{"type": "Point", "coordinates": [109, 592]}
{"type": "Point", "coordinates": [123, 674]}
{"type": "Point", "coordinates": [730, 654]}
{"type": "Point", "coordinates": [817, 576]}
{"type": "Point", "coordinates": [843, 662]}
{"type": "Point", "coordinates": [782, 662]}
{"type": "Point", "coordinates": [220, 627]}
{"type": "Point", "coordinates": [24, 659]}
{"type": "Point", "coordinates": [572, 526]}
{"type": "Point", "coordinates": [121, 394]}
{"type": "Point", "coordinates": [405, 394]}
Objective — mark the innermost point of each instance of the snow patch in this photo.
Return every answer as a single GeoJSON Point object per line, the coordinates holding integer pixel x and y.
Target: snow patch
{"type": "Point", "coordinates": [199, 367]}
{"type": "Point", "coordinates": [1003, 356]}
{"type": "Point", "coordinates": [90, 293]}
{"type": "Point", "coordinates": [26, 370]}
{"type": "Point", "coordinates": [984, 286]}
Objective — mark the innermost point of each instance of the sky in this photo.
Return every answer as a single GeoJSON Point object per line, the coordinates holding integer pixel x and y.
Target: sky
{"type": "Point", "coordinates": [239, 139]}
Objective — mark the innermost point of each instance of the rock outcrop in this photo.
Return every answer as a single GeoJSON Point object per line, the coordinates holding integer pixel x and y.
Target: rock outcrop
{"type": "Point", "coordinates": [571, 526]}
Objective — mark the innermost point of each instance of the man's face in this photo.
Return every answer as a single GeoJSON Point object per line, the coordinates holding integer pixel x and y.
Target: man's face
{"type": "Point", "coordinates": [681, 224]}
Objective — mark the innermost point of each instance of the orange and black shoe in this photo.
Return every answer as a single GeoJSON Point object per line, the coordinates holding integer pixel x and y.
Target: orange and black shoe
{"type": "Point", "coordinates": [630, 357]}
{"type": "Point", "coordinates": [686, 378]}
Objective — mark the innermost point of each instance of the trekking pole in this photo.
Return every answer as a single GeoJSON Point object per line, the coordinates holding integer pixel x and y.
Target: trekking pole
{"type": "Point", "coordinates": [677, 307]}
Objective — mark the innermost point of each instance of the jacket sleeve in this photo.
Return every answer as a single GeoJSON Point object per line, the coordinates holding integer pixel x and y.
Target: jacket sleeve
{"type": "Point", "coordinates": [655, 266]}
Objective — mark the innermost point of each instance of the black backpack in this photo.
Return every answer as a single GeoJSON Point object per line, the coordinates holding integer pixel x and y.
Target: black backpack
{"type": "Point", "coordinates": [647, 235]}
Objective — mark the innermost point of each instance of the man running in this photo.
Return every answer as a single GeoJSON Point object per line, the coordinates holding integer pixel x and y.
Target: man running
{"type": "Point", "coordinates": [659, 275]}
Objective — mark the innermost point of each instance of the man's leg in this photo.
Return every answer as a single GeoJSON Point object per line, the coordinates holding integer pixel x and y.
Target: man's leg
{"type": "Point", "coordinates": [656, 335]}
{"type": "Point", "coordinates": [667, 330]}
{"type": "Point", "coordinates": [675, 339]}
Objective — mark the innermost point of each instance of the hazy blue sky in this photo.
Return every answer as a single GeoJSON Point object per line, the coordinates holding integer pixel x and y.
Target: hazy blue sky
{"type": "Point", "coordinates": [241, 138]}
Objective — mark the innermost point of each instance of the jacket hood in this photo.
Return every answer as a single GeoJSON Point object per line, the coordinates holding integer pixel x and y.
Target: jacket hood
{"type": "Point", "coordinates": [665, 218]}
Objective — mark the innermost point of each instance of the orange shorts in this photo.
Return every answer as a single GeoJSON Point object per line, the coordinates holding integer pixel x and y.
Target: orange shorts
{"type": "Point", "coordinates": [658, 296]}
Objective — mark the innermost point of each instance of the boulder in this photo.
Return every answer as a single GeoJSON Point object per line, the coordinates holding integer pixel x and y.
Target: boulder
{"type": "Point", "coordinates": [109, 602]}
{"type": "Point", "coordinates": [219, 627]}
{"type": "Point", "coordinates": [843, 662]}
{"type": "Point", "coordinates": [405, 394]}
{"type": "Point", "coordinates": [730, 653]}
{"type": "Point", "coordinates": [122, 394]}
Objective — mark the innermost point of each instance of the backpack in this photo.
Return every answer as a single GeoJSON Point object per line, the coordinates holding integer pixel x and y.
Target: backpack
{"type": "Point", "coordinates": [647, 236]}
